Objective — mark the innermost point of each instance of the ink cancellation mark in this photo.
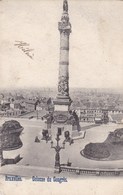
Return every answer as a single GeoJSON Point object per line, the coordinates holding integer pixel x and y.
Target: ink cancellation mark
{"type": "Point", "coordinates": [25, 48]}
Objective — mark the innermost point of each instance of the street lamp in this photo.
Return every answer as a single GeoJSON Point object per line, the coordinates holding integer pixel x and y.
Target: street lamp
{"type": "Point", "coordinates": [57, 149]}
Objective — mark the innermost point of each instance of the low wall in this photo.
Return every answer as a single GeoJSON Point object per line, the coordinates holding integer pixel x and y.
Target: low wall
{"type": "Point", "coordinates": [85, 171]}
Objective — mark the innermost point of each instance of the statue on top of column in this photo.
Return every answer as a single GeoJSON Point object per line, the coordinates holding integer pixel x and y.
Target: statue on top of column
{"type": "Point", "coordinates": [65, 6]}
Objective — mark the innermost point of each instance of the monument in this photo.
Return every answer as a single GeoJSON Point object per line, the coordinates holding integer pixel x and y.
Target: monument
{"type": "Point", "coordinates": [63, 101]}
{"type": "Point", "coordinates": [63, 117]}
{"type": "Point", "coordinates": [62, 112]}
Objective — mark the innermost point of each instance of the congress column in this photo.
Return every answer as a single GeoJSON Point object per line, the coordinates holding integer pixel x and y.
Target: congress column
{"type": "Point", "coordinates": [63, 100]}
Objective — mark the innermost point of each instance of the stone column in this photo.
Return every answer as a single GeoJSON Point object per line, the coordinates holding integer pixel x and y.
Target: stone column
{"type": "Point", "coordinates": [63, 100]}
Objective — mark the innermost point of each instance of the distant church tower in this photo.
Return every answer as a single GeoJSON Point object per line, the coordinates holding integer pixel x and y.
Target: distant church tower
{"type": "Point", "coordinates": [63, 101]}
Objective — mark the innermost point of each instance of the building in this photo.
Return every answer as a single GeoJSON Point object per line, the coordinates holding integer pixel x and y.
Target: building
{"type": "Point", "coordinates": [89, 115]}
{"type": "Point", "coordinates": [30, 105]}
{"type": "Point", "coordinates": [10, 113]}
{"type": "Point", "coordinates": [94, 115]}
{"type": "Point", "coordinates": [45, 104]}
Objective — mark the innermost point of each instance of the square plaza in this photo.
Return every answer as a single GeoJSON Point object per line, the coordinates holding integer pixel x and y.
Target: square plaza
{"type": "Point", "coordinates": [39, 157]}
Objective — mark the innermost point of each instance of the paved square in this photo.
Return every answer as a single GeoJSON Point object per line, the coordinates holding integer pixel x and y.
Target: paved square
{"type": "Point", "coordinates": [41, 155]}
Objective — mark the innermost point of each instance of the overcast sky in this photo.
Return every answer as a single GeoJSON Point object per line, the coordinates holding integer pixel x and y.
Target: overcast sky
{"type": "Point", "coordinates": [96, 43]}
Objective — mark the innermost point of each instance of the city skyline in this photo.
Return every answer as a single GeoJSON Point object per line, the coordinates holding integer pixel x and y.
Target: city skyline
{"type": "Point", "coordinates": [94, 61]}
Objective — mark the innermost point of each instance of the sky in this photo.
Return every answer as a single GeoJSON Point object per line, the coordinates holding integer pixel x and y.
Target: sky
{"type": "Point", "coordinates": [96, 43]}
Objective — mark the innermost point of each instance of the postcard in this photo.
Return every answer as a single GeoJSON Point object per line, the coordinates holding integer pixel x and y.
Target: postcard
{"type": "Point", "coordinates": [61, 97]}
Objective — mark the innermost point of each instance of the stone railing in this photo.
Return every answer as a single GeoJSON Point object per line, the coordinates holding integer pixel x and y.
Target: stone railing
{"type": "Point", "coordinates": [86, 171]}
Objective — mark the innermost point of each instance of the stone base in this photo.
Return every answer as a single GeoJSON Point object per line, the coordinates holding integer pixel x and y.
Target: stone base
{"type": "Point", "coordinates": [61, 107]}
{"type": "Point", "coordinates": [12, 160]}
{"type": "Point", "coordinates": [54, 129]}
{"type": "Point", "coordinates": [62, 103]}
{"type": "Point", "coordinates": [78, 135]}
{"type": "Point", "coordinates": [66, 120]}
{"type": "Point", "coordinates": [11, 157]}
{"type": "Point", "coordinates": [61, 116]}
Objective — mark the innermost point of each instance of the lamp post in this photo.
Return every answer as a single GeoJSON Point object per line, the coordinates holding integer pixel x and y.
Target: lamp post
{"type": "Point", "coordinates": [57, 149]}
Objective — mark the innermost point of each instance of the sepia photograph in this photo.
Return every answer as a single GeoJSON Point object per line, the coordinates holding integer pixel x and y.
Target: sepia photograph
{"type": "Point", "coordinates": [61, 97]}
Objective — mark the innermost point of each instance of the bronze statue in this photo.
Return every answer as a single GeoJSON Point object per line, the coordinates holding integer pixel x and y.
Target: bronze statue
{"type": "Point", "coordinates": [65, 6]}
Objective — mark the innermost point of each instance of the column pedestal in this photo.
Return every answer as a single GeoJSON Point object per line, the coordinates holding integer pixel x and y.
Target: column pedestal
{"type": "Point", "coordinates": [62, 104]}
